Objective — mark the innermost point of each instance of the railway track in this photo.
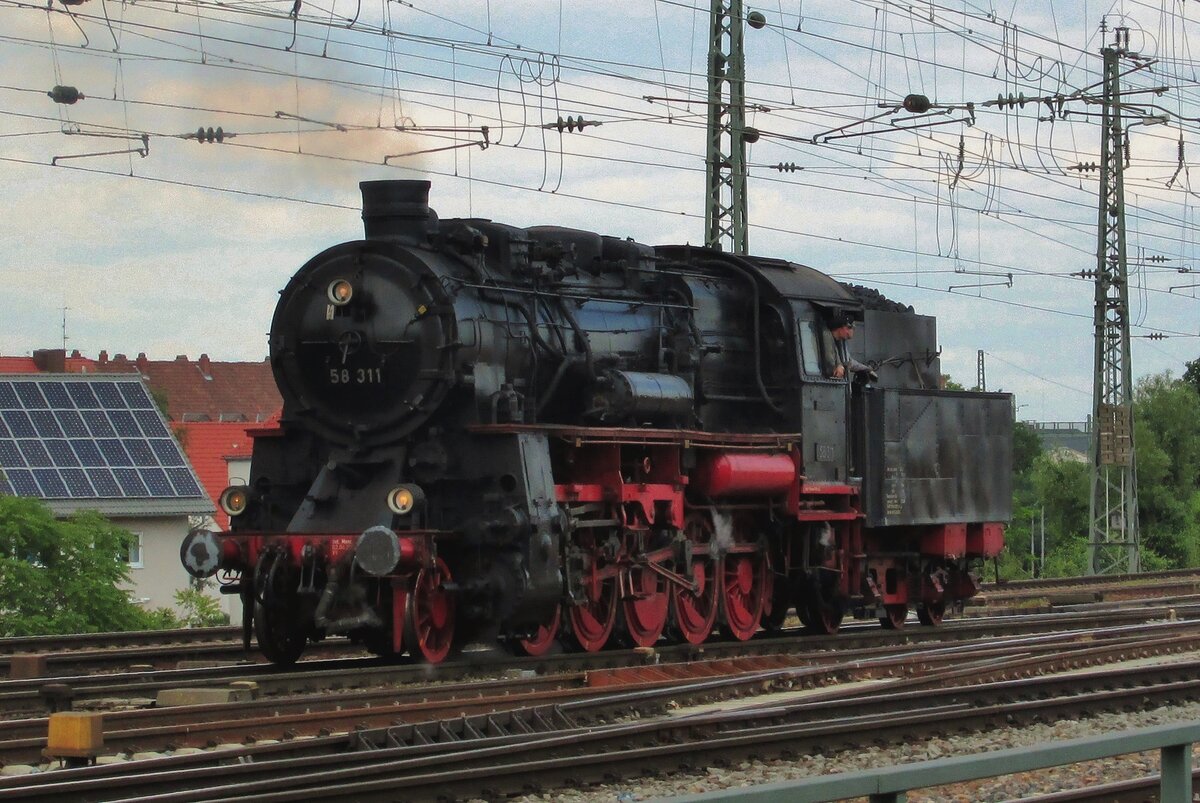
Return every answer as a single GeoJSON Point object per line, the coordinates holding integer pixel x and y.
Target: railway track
{"type": "Point", "coordinates": [313, 715]}
{"type": "Point", "coordinates": [596, 737]}
{"type": "Point", "coordinates": [166, 649]}
{"type": "Point", "coordinates": [24, 698]}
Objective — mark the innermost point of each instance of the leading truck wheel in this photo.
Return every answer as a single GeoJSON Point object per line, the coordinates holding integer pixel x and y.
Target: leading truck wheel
{"type": "Point", "coordinates": [429, 625]}
{"type": "Point", "coordinates": [278, 624]}
{"type": "Point", "coordinates": [280, 640]}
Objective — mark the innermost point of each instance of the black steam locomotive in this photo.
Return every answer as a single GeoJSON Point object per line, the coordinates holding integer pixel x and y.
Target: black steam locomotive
{"type": "Point", "coordinates": [546, 434]}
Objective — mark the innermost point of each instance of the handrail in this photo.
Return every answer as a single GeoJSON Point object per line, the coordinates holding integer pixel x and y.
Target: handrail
{"type": "Point", "coordinates": [889, 784]}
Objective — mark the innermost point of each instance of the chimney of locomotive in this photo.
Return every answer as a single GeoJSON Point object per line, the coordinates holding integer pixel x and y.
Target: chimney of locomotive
{"type": "Point", "coordinates": [397, 210]}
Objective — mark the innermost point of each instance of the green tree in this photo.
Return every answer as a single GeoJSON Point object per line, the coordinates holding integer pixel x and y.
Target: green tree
{"type": "Point", "coordinates": [62, 576]}
{"type": "Point", "coordinates": [1167, 441]}
{"type": "Point", "coordinates": [1191, 374]}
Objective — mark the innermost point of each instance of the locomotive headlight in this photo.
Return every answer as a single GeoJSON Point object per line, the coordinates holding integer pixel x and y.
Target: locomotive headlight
{"type": "Point", "coordinates": [404, 499]}
{"type": "Point", "coordinates": [234, 500]}
{"type": "Point", "coordinates": [339, 292]}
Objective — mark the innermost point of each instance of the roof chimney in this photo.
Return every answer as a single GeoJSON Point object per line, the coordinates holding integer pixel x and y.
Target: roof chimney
{"type": "Point", "coordinates": [142, 362]}
{"type": "Point", "coordinates": [51, 361]}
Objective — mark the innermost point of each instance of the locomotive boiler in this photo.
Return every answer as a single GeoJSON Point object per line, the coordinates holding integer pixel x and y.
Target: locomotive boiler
{"type": "Point", "coordinates": [544, 435]}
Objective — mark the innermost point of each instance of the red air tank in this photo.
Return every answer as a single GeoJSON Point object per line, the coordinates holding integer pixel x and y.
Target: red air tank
{"type": "Point", "coordinates": [744, 474]}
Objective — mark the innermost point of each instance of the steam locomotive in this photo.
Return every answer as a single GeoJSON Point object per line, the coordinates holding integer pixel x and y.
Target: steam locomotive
{"type": "Point", "coordinates": [545, 435]}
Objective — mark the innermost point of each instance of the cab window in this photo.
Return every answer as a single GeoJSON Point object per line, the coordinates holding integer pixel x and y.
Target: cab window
{"type": "Point", "coordinates": [810, 350]}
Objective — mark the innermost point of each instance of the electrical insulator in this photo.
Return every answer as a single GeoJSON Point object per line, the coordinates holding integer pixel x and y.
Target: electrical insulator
{"type": "Point", "coordinates": [1156, 336]}
{"type": "Point", "coordinates": [571, 124]}
{"type": "Point", "coordinates": [65, 94]}
{"type": "Point", "coordinates": [788, 167]}
{"type": "Point", "coordinates": [756, 20]}
{"type": "Point", "coordinates": [209, 134]}
{"type": "Point", "coordinates": [1157, 258]}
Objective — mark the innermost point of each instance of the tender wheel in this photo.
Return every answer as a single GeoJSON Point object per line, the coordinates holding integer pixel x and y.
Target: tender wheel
{"type": "Point", "coordinates": [645, 614]}
{"type": "Point", "coordinates": [429, 629]}
{"type": "Point", "coordinates": [931, 613]}
{"type": "Point", "coordinates": [894, 617]}
{"type": "Point", "coordinates": [743, 587]}
{"type": "Point", "coordinates": [592, 622]}
{"type": "Point", "coordinates": [544, 639]}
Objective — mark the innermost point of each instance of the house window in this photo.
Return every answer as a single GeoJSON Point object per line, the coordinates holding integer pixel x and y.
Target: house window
{"type": "Point", "coordinates": [134, 558]}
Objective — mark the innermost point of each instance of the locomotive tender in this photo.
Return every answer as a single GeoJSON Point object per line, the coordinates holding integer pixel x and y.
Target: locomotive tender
{"type": "Point", "coordinates": [539, 434]}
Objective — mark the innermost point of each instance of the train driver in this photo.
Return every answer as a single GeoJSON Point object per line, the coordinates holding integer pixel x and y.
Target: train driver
{"type": "Point", "coordinates": [841, 327]}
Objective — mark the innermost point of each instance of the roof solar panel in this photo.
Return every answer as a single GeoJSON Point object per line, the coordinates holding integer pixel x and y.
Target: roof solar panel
{"type": "Point", "coordinates": [131, 484]}
{"type": "Point", "coordinates": [98, 424]}
{"type": "Point", "coordinates": [10, 455]}
{"type": "Point", "coordinates": [45, 424]}
{"type": "Point", "coordinates": [104, 482]}
{"type": "Point", "coordinates": [71, 423]}
{"type": "Point", "coordinates": [19, 423]}
{"type": "Point", "coordinates": [156, 481]}
{"type": "Point", "coordinates": [167, 452]}
{"type": "Point", "coordinates": [151, 423]}
{"type": "Point", "coordinates": [35, 453]}
{"type": "Point", "coordinates": [23, 482]}
{"type": "Point", "coordinates": [51, 483]}
{"type": "Point", "coordinates": [123, 423]}
{"type": "Point", "coordinates": [87, 452]}
{"type": "Point", "coordinates": [114, 453]}
{"type": "Point", "coordinates": [185, 484]}
{"type": "Point", "coordinates": [135, 395]}
{"type": "Point", "coordinates": [61, 453]}
{"type": "Point", "coordinates": [140, 451]}
{"type": "Point", "coordinates": [77, 483]}
{"type": "Point", "coordinates": [81, 394]}
{"type": "Point", "coordinates": [110, 398]}
{"type": "Point", "coordinates": [30, 395]}
{"type": "Point", "coordinates": [88, 438]}
{"type": "Point", "coordinates": [56, 394]}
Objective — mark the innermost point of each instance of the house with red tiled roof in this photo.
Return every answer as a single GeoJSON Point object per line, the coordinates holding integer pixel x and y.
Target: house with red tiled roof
{"type": "Point", "coordinates": [209, 405]}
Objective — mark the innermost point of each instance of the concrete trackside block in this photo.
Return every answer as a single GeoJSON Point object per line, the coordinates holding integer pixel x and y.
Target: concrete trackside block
{"type": "Point", "coordinates": [172, 697]}
{"type": "Point", "coordinates": [75, 734]}
{"type": "Point", "coordinates": [23, 667]}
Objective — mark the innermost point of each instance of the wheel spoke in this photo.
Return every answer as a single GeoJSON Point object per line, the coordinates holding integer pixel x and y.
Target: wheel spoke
{"type": "Point", "coordinates": [592, 622]}
{"type": "Point", "coordinates": [743, 587]}
{"type": "Point", "coordinates": [431, 614]}
{"type": "Point", "coordinates": [931, 613]}
{"type": "Point", "coordinates": [894, 616]}
{"type": "Point", "coordinates": [545, 638]}
{"type": "Point", "coordinates": [645, 614]}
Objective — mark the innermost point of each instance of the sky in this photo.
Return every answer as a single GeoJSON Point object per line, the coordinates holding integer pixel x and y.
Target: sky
{"type": "Point", "coordinates": [142, 238]}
